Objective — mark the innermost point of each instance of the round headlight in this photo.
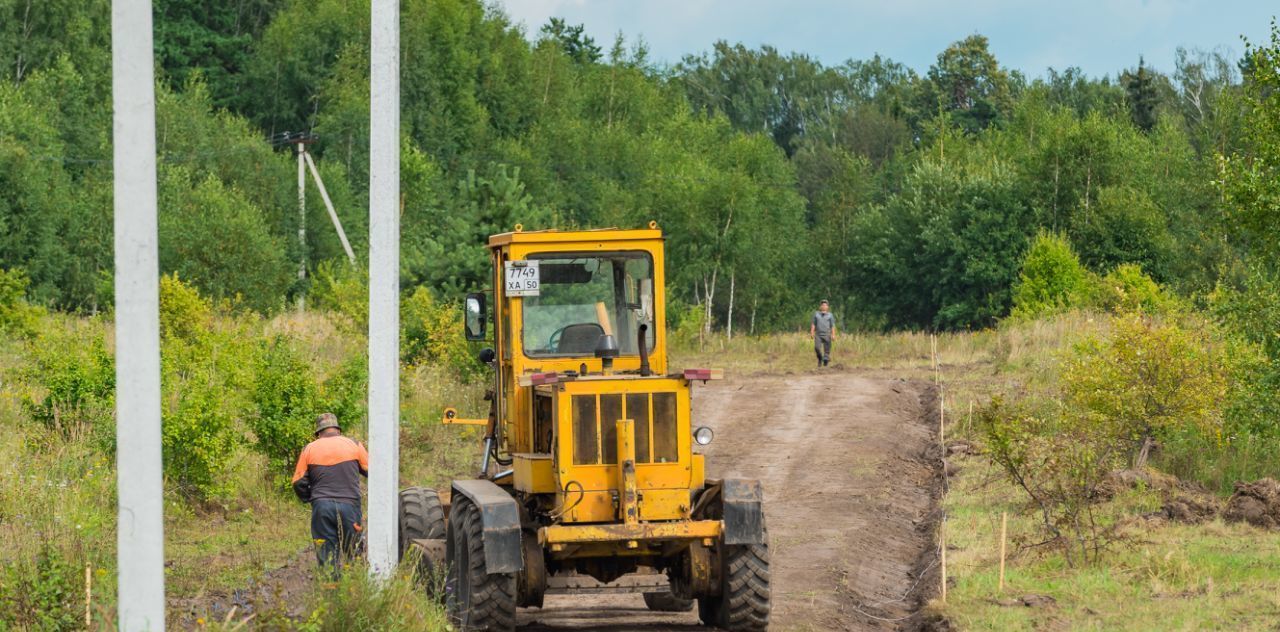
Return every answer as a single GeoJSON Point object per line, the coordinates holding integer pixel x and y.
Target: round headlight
{"type": "Point", "coordinates": [703, 435]}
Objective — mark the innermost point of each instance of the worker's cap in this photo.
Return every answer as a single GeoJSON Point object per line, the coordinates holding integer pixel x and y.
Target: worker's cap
{"type": "Point", "coordinates": [823, 302]}
{"type": "Point", "coordinates": [326, 421]}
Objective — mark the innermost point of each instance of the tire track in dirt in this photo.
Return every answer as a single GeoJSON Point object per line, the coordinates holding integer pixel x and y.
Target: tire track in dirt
{"type": "Point", "coordinates": [850, 473]}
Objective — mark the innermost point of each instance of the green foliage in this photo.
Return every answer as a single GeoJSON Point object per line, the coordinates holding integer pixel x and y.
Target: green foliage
{"type": "Point", "coordinates": [964, 234]}
{"type": "Point", "coordinates": [432, 333]}
{"type": "Point", "coordinates": [1125, 227]}
{"type": "Point", "coordinates": [1051, 279]}
{"type": "Point", "coordinates": [215, 237]}
{"type": "Point", "coordinates": [70, 362]}
{"type": "Point", "coordinates": [183, 312]}
{"type": "Point", "coordinates": [1060, 458]}
{"type": "Point", "coordinates": [1128, 289]}
{"type": "Point", "coordinates": [197, 432]}
{"type": "Point", "coordinates": [969, 82]}
{"type": "Point", "coordinates": [17, 316]}
{"type": "Point", "coordinates": [1142, 95]}
{"type": "Point", "coordinates": [42, 594]}
{"type": "Point", "coordinates": [286, 397]}
{"type": "Point", "coordinates": [342, 289]}
{"type": "Point", "coordinates": [1148, 381]}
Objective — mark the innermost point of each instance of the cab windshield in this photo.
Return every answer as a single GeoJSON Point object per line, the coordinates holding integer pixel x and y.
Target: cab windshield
{"type": "Point", "coordinates": [584, 297]}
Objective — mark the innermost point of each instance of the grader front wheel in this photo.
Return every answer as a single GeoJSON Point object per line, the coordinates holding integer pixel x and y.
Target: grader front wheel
{"type": "Point", "coordinates": [743, 603]}
{"type": "Point", "coordinates": [477, 601]}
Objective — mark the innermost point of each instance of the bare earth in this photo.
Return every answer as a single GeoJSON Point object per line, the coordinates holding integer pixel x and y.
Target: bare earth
{"type": "Point", "coordinates": [851, 477]}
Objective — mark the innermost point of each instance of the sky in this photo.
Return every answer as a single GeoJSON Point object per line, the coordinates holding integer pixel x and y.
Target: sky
{"type": "Point", "coordinates": [1102, 37]}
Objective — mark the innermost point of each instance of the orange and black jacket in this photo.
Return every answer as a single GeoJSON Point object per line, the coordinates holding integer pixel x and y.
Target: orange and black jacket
{"type": "Point", "coordinates": [330, 468]}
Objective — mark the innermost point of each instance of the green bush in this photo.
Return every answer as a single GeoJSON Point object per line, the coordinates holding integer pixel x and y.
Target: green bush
{"type": "Point", "coordinates": [432, 332]}
{"type": "Point", "coordinates": [1052, 279]}
{"type": "Point", "coordinates": [342, 288]}
{"type": "Point", "coordinates": [183, 312]}
{"type": "Point", "coordinates": [41, 594]}
{"type": "Point", "coordinates": [286, 396]}
{"type": "Point", "coordinates": [1060, 457]}
{"type": "Point", "coordinates": [1148, 381]}
{"type": "Point", "coordinates": [198, 435]}
{"type": "Point", "coordinates": [17, 316]}
{"type": "Point", "coordinates": [70, 362]}
{"type": "Point", "coordinates": [1128, 289]}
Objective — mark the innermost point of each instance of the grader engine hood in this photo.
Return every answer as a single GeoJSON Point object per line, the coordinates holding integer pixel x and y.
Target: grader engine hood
{"type": "Point", "coordinates": [621, 446]}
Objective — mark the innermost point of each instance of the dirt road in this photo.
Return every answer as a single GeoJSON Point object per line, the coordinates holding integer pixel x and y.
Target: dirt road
{"type": "Point", "coordinates": [851, 484]}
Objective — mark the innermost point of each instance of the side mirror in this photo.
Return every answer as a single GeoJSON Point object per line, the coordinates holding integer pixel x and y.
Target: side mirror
{"type": "Point", "coordinates": [475, 316]}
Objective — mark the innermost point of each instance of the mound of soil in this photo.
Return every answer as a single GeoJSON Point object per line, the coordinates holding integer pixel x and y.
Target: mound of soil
{"type": "Point", "coordinates": [1190, 509]}
{"type": "Point", "coordinates": [1257, 503]}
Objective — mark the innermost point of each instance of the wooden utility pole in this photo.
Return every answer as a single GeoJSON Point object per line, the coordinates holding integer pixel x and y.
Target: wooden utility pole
{"type": "Point", "coordinates": [384, 286]}
{"type": "Point", "coordinates": [139, 482]}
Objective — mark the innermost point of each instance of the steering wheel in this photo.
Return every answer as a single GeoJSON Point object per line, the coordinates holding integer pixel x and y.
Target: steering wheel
{"type": "Point", "coordinates": [553, 343]}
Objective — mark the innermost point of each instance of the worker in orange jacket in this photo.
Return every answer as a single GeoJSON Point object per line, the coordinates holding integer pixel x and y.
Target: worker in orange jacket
{"type": "Point", "coordinates": [328, 476]}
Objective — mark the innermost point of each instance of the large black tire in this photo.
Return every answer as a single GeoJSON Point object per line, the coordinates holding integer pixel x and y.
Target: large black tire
{"type": "Point", "coordinates": [743, 604]}
{"type": "Point", "coordinates": [667, 602]}
{"type": "Point", "coordinates": [477, 601]}
{"type": "Point", "coordinates": [421, 516]}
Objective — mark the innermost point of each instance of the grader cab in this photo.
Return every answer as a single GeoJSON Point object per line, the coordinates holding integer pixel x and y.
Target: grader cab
{"type": "Point", "coordinates": [589, 481]}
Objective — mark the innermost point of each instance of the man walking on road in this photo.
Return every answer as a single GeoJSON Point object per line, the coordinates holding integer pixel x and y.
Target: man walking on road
{"type": "Point", "coordinates": [328, 476]}
{"type": "Point", "coordinates": [823, 330]}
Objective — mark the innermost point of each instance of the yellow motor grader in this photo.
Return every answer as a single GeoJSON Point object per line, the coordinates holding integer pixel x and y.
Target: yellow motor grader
{"type": "Point", "coordinates": [589, 481]}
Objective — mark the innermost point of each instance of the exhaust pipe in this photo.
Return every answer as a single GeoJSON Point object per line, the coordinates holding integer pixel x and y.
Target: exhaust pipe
{"type": "Point", "coordinates": [644, 351]}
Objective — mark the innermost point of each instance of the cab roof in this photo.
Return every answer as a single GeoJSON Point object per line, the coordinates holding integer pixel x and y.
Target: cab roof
{"type": "Point", "coordinates": [551, 236]}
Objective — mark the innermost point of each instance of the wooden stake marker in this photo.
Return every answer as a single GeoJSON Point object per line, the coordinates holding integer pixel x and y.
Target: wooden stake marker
{"type": "Point", "coordinates": [942, 544]}
{"type": "Point", "coordinates": [1004, 528]}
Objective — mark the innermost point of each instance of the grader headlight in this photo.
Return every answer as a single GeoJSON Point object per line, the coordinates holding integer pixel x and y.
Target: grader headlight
{"type": "Point", "coordinates": [703, 436]}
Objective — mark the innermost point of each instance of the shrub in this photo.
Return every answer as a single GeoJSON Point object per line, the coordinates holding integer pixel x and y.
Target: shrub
{"type": "Point", "coordinates": [686, 324]}
{"type": "Point", "coordinates": [1146, 381]}
{"type": "Point", "coordinates": [198, 435]}
{"type": "Point", "coordinates": [1052, 279]}
{"type": "Point", "coordinates": [1060, 458]}
{"type": "Point", "coordinates": [339, 287]}
{"type": "Point", "coordinates": [17, 316]}
{"type": "Point", "coordinates": [183, 312]}
{"type": "Point", "coordinates": [41, 594]}
{"type": "Point", "coordinates": [432, 332]}
{"type": "Point", "coordinates": [78, 376]}
{"type": "Point", "coordinates": [285, 395]}
{"type": "Point", "coordinates": [1128, 289]}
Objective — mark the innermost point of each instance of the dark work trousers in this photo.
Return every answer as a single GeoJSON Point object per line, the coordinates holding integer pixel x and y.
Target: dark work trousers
{"type": "Point", "coordinates": [822, 347]}
{"type": "Point", "coordinates": [334, 528]}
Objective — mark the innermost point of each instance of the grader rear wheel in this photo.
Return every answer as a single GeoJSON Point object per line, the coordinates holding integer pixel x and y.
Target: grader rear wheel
{"type": "Point", "coordinates": [477, 601]}
{"type": "Point", "coordinates": [743, 603]}
{"type": "Point", "coordinates": [667, 602]}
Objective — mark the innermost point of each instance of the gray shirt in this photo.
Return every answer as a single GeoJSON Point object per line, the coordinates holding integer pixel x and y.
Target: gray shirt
{"type": "Point", "coordinates": [823, 323]}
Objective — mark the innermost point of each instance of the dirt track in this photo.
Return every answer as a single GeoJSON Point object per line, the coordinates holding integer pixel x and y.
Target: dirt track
{"type": "Point", "coordinates": [851, 483]}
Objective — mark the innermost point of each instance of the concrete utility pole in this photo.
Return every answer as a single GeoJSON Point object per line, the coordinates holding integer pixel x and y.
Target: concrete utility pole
{"type": "Point", "coordinates": [140, 486]}
{"type": "Point", "coordinates": [384, 286]}
{"type": "Point", "coordinates": [301, 141]}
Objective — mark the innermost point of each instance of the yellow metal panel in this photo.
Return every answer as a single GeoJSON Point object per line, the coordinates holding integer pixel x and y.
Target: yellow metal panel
{"type": "Point", "coordinates": [664, 504]}
{"type": "Point", "coordinates": [645, 531]}
{"type": "Point", "coordinates": [699, 477]}
{"type": "Point", "coordinates": [534, 473]}
{"type": "Point", "coordinates": [587, 506]}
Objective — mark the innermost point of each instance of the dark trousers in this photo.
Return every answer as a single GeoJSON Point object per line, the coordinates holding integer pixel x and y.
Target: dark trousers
{"type": "Point", "coordinates": [822, 347]}
{"type": "Point", "coordinates": [335, 528]}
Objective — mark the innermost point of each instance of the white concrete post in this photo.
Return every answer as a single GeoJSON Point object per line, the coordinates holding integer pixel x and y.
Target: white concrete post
{"type": "Point", "coordinates": [302, 225]}
{"type": "Point", "coordinates": [384, 286]}
{"type": "Point", "coordinates": [140, 486]}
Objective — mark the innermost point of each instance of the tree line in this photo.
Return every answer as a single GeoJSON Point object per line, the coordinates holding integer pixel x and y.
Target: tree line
{"type": "Point", "coordinates": [907, 199]}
